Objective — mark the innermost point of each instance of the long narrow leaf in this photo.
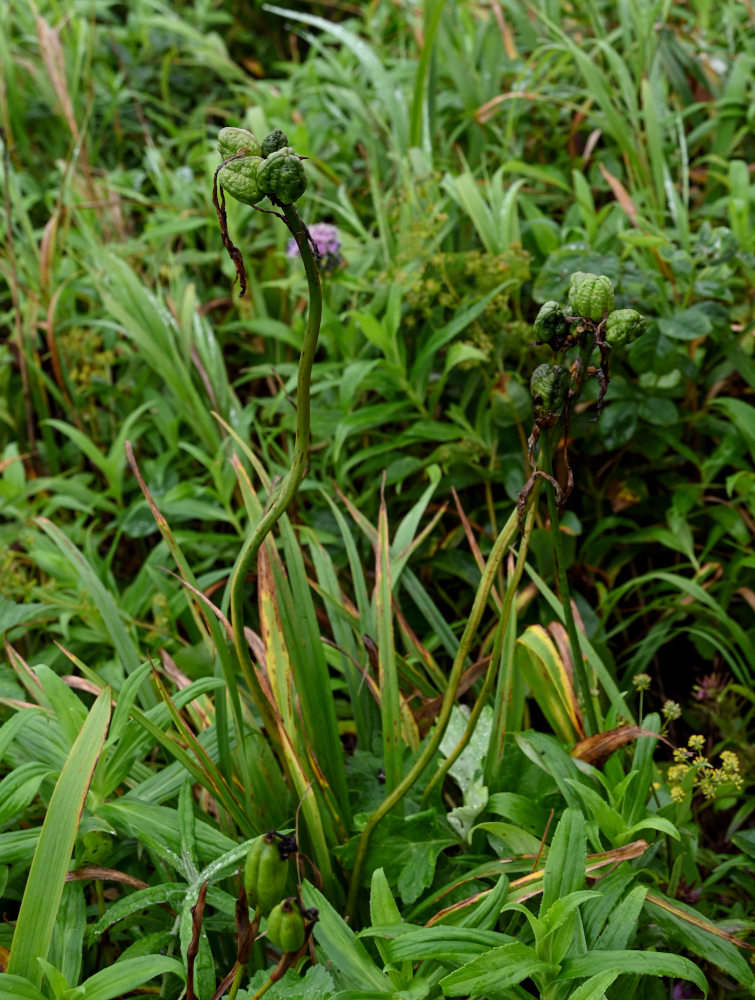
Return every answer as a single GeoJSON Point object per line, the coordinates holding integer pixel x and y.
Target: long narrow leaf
{"type": "Point", "coordinates": [44, 888]}
{"type": "Point", "coordinates": [390, 709]}
{"type": "Point", "coordinates": [124, 645]}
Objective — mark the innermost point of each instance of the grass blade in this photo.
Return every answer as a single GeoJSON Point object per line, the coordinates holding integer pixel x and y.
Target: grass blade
{"type": "Point", "coordinates": [44, 888]}
{"type": "Point", "coordinates": [390, 707]}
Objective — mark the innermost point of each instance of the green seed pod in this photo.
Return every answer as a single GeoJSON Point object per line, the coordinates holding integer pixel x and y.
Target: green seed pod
{"type": "Point", "coordinates": [265, 873]}
{"type": "Point", "coordinates": [236, 140]}
{"type": "Point", "coordinates": [550, 386]}
{"type": "Point", "coordinates": [590, 295]}
{"type": "Point", "coordinates": [285, 926]}
{"type": "Point", "coordinates": [273, 141]}
{"type": "Point", "coordinates": [282, 175]}
{"type": "Point", "coordinates": [240, 178]}
{"type": "Point", "coordinates": [550, 324]}
{"type": "Point", "coordinates": [623, 326]}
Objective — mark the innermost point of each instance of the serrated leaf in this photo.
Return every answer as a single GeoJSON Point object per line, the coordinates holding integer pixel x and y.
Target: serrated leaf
{"type": "Point", "coordinates": [644, 963]}
{"type": "Point", "coordinates": [406, 849]}
{"type": "Point", "coordinates": [315, 984]}
{"type": "Point", "coordinates": [491, 973]}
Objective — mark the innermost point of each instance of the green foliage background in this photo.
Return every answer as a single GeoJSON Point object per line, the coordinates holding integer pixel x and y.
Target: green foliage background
{"type": "Point", "coordinates": [473, 155]}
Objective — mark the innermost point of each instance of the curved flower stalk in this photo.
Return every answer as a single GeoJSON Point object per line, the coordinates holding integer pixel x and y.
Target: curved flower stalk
{"type": "Point", "coordinates": [251, 171]}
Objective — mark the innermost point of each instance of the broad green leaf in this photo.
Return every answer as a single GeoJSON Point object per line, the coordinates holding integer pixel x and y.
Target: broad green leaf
{"type": "Point", "coordinates": [658, 410]}
{"type": "Point", "coordinates": [647, 963]}
{"type": "Point", "coordinates": [565, 906]}
{"type": "Point", "coordinates": [531, 815]}
{"type": "Point", "coordinates": [123, 977]}
{"type": "Point", "coordinates": [158, 825]}
{"type": "Point", "coordinates": [19, 988]}
{"type": "Point", "coordinates": [687, 324]}
{"type": "Point", "coordinates": [654, 352]}
{"type": "Point", "coordinates": [406, 848]}
{"type": "Point", "coordinates": [491, 973]}
{"type": "Point", "coordinates": [172, 893]}
{"type": "Point", "coordinates": [383, 909]}
{"type": "Point", "coordinates": [58, 982]}
{"type": "Point", "coordinates": [649, 823]}
{"type": "Point", "coordinates": [451, 945]}
{"type": "Point", "coordinates": [19, 845]}
{"type": "Point", "coordinates": [517, 840]}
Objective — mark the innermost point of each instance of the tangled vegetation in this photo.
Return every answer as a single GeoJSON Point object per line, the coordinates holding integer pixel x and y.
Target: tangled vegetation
{"type": "Point", "coordinates": [377, 500]}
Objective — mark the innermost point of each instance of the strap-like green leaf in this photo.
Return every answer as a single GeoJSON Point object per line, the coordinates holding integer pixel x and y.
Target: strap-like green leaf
{"type": "Point", "coordinates": [44, 888]}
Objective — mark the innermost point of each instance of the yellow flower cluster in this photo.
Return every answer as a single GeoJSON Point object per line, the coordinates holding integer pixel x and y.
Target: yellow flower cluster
{"type": "Point", "coordinates": [705, 778]}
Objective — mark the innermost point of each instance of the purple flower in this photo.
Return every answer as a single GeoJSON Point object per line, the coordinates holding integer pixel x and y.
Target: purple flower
{"type": "Point", "coordinates": [682, 990]}
{"type": "Point", "coordinates": [327, 241]}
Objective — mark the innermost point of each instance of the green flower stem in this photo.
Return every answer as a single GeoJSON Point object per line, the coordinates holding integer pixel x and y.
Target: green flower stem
{"type": "Point", "coordinates": [497, 553]}
{"type": "Point", "coordinates": [282, 494]}
{"type": "Point", "coordinates": [238, 976]}
{"type": "Point", "coordinates": [580, 672]}
{"type": "Point", "coordinates": [490, 674]}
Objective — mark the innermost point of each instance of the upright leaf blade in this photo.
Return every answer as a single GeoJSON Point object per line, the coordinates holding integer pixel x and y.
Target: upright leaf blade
{"type": "Point", "coordinates": [565, 867]}
{"type": "Point", "coordinates": [44, 888]}
{"type": "Point", "coordinates": [390, 705]}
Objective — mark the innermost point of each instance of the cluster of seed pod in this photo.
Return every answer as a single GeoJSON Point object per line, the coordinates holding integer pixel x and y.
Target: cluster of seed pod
{"type": "Point", "coordinates": [589, 313]}
{"type": "Point", "coordinates": [265, 875]}
{"type": "Point", "coordinates": [254, 170]}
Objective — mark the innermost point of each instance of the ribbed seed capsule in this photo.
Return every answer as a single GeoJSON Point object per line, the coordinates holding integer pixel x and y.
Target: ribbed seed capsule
{"type": "Point", "coordinates": [285, 926]}
{"type": "Point", "coordinates": [550, 386]}
{"type": "Point", "coordinates": [623, 326]}
{"type": "Point", "coordinates": [236, 140]}
{"type": "Point", "coordinates": [274, 140]}
{"type": "Point", "coordinates": [265, 873]}
{"type": "Point", "coordinates": [590, 295]}
{"type": "Point", "coordinates": [282, 175]}
{"type": "Point", "coordinates": [551, 325]}
{"type": "Point", "coordinates": [240, 178]}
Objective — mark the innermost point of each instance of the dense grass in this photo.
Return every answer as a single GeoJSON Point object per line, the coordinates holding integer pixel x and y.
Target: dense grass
{"type": "Point", "coordinates": [473, 156]}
